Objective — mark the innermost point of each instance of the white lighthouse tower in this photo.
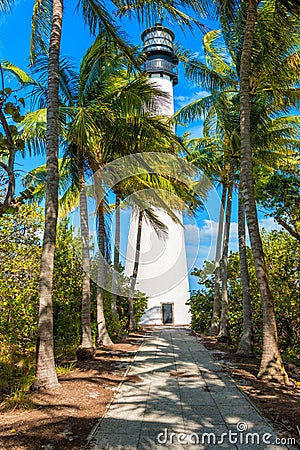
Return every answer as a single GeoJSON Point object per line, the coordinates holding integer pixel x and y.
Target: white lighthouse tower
{"type": "Point", "coordinates": [163, 273]}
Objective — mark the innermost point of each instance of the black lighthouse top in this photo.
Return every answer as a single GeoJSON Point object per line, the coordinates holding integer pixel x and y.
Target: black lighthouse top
{"type": "Point", "coordinates": [158, 46]}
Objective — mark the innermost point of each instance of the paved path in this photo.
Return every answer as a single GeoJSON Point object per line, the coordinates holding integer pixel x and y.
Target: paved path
{"type": "Point", "coordinates": [180, 400]}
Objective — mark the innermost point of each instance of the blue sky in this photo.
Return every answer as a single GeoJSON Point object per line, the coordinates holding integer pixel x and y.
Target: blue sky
{"type": "Point", "coordinates": [15, 31]}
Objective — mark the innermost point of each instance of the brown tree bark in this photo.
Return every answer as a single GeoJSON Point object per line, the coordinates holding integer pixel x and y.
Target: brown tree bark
{"type": "Point", "coordinates": [86, 349]}
{"type": "Point", "coordinates": [290, 230]}
{"type": "Point", "coordinates": [215, 321]}
{"type": "Point", "coordinates": [103, 337]}
{"type": "Point", "coordinates": [116, 258]}
{"type": "Point", "coordinates": [132, 324]}
{"type": "Point", "coordinates": [46, 376]}
{"type": "Point", "coordinates": [224, 334]}
{"type": "Point", "coordinates": [10, 189]}
{"type": "Point", "coordinates": [271, 367]}
{"type": "Point", "coordinates": [246, 342]}
{"type": "Point", "coordinates": [9, 167]}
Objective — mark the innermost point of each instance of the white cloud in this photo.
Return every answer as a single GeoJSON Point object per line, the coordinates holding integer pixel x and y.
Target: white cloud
{"type": "Point", "coordinates": [202, 94]}
{"type": "Point", "coordinates": [191, 232]}
{"type": "Point", "coordinates": [183, 100]}
{"type": "Point", "coordinates": [269, 224]}
{"type": "Point", "coordinates": [201, 242]}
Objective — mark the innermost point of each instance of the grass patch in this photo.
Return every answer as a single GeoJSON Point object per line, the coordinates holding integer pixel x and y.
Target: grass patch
{"type": "Point", "coordinates": [16, 377]}
{"type": "Point", "coordinates": [64, 369]}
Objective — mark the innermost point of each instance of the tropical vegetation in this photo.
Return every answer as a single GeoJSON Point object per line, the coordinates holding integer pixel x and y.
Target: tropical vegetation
{"type": "Point", "coordinates": [83, 119]}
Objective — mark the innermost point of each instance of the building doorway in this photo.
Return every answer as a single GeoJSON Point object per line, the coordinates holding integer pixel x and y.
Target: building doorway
{"type": "Point", "coordinates": [167, 313]}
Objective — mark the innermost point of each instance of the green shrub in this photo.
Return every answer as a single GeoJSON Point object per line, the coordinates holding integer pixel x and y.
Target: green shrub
{"type": "Point", "coordinates": [20, 253]}
{"type": "Point", "coordinates": [282, 253]}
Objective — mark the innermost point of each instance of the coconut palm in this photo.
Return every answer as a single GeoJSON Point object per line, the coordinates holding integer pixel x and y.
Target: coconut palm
{"type": "Point", "coordinates": [215, 320]}
{"type": "Point", "coordinates": [246, 342]}
{"type": "Point", "coordinates": [85, 350]}
{"type": "Point", "coordinates": [262, 91]}
{"type": "Point", "coordinates": [271, 364]}
{"type": "Point", "coordinates": [108, 107]}
{"type": "Point", "coordinates": [47, 23]}
{"type": "Point", "coordinates": [221, 122]}
{"type": "Point", "coordinates": [46, 376]}
{"type": "Point", "coordinates": [116, 265]}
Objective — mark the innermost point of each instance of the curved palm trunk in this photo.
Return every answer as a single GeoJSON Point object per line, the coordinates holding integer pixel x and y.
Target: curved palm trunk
{"type": "Point", "coordinates": [116, 258]}
{"type": "Point", "coordinates": [103, 337]}
{"type": "Point", "coordinates": [224, 334]}
{"type": "Point", "coordinates": [85, 350]}
{"type": "Point", "coordinates": [289, 229]}
{"type": "Point", "coordinates": [132, 324]}
{"type": "Point", "coordinates": [246, 343]}
{"type": "Point", "coordinates": [271, 363]}
{"type": "Point", "coordinates": [46, 376]}
{"type": "Point", "coordinates": [9, 167]}
{"type": "Point", "coordinates": [215, 321]}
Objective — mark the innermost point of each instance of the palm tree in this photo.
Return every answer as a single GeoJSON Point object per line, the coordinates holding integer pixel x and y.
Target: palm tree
{"type": "Point", "coordinates": [95, 15]}
{"type": "Point", "coordinates": [46, 376]}
{"type": "Point", "coordinates": [246, 342]}
{"type": "Point", "coordinates": [109, 107]}
{"type": "Point", "coordinates": [207, 154]}
{"type": "Point", "coordinates": [271, 363]}
{"type": "Point", "coordinates": [47, 19]}
{"type": "Point", "coordinates": [132, 323]}
{"type": "Point", "coordinates": [116, 255]}
{"type": "Point", "coordinates": [86, 349]}
{"type": "Point", "coordinates": [215, 320]}
{"type": "Point", "coordinates": [260, 84]}
{"type": "Point", "coordinates": [224, 335]}
{"type": "Point", "coordinates": [218, 76]}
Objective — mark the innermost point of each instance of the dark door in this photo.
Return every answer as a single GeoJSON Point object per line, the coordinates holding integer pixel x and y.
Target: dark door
{"type": "Point", "coordinates": [167, 312]}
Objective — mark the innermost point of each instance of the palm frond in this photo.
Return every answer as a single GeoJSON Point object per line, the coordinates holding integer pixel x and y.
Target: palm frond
{"type": "Point", "coordinates": [6, 6]}
{"type": "Point", "coordinates": [204, 75]}
{"type": "Point", "coordinates": [216, 55]}
{"type": "Point", "coordinates": [197, 109]}
{"type": "Point", "coordinates": [33, 129]}
{"type": "Point", "coordinates": [98, 18]}
{"type": "Point", "coordinates": [41, 27]}
{"type": "Point", "coordinates": [150, 12]}
{"type": "Point", "coordinates": [23, 78]}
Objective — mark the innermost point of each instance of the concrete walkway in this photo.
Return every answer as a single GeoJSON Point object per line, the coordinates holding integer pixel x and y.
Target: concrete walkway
{"type": "Point", "coordinates": [180, 399]}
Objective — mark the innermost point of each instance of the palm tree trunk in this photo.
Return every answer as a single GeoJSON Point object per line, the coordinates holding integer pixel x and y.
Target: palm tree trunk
{"type": "Point", "coordinates": [288, 228]}
{"type": "Point", "coordinates": [9, 168]}
{"type": "Point", "coordinates": [214, 328]}
{"type": "Point", "coordinates": [10, 189]}
{"type": "Point", "coordinates": [103, 337]}
{"type": "Point", "coordinates": [224, 335]}
{"type": "Point", "coordinates": [246, 343]}
{"type": "Point", "coordinates": [85, 350]}
{"type": "Point", "coordinates": [132, 324]}
{"type": "Point", "coordinates": [46, 376]}
{"type": "Point", "coordinates": [271, 366]}
{"type": "Point", "coordinates": [116, 259]}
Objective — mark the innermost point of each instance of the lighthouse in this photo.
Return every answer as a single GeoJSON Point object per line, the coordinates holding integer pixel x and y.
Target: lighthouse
{"type": "Point", "coordinates": [163, 272]}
